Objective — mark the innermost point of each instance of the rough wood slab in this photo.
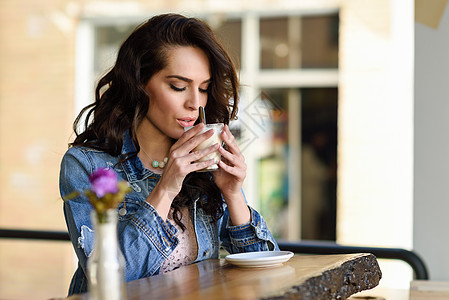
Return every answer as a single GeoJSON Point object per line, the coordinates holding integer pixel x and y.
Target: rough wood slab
{"type": "Point", "coordinates": [350, 274]}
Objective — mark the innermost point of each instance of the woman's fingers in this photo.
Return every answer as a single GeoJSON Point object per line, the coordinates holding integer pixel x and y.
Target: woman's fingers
{"type": "Point", "coordinates": [230, 158]}
{"type": "Point", "coordinates": [229, 140]}
{"type": "Point", "coordinates": [198, 155]}
{"type": "Point", "coordinates": [191, 161]}
{"type": "Point", "coordinates": [236, 171]}
{"type": "Point", "coordinates": [190, 140]}
{"type": "Point", "coordinates": [178, 167]}
{"type": "Point", "coordinates": [233, 161]}
{"type": "Point", "coordinates": [233, 164]}
{"type": "Point", "coordinates": [232, 154]}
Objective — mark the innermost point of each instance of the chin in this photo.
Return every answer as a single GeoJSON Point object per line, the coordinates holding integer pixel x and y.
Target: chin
{"type": "Point", "coordinates": [176, 134]}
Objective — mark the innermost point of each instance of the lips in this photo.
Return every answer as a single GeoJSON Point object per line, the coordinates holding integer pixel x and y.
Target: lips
{"type": "Point", "coordinates": [186, 122]}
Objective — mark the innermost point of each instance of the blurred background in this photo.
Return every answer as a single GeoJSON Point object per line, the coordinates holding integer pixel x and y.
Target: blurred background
{"type": "Point", "coordinates": [342, 120]}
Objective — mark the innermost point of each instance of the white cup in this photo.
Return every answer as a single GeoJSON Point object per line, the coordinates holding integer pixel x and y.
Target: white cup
{"type": "Point", "coordinates": [214, 139]}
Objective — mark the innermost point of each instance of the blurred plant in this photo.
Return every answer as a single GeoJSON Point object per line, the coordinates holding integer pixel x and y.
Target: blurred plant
{"type": "Point", "coordinates": [106, 191]}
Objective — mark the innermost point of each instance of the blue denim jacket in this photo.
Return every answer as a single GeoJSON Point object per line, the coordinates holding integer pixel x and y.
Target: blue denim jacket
{"type": "Point", "coordinates": [145, 238]}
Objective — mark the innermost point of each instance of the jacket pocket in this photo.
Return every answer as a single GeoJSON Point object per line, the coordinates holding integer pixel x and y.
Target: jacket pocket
{"type": "Point", "coordinates": [128, 208]}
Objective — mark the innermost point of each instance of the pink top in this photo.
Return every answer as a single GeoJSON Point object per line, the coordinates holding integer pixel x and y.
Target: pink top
{"type": "Point", "coordinates": [187, 250]}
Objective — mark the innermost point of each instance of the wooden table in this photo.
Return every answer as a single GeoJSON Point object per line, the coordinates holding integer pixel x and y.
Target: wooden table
{"type": "Point", "coordinates": [302, 277]}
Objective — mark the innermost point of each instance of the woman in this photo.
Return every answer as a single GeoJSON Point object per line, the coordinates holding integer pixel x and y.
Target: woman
{"type": "Point", "coordinates": [166, 69]}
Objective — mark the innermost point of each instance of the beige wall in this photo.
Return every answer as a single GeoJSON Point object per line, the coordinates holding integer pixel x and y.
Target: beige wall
{"type": "Point", "coordinates": [36, 99]}
{"type": "Point", "coordinates": [36, 91]}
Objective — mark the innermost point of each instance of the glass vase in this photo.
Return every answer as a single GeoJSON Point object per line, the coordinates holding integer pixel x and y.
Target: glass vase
{"type": "Point", "coordinates": [106, 264]}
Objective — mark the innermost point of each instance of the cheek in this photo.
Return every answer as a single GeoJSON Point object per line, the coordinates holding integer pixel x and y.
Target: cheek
{"type": "Point", "coordinates": [170, 104]}
{"type": "Point", "coordinates": [159, 101]}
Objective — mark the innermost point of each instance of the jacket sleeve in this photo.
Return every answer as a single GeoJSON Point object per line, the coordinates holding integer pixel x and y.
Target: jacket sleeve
{"type": "Point", "coordinates": [252, 236]}
{"type": "Point", "coordinates": [145, 238]}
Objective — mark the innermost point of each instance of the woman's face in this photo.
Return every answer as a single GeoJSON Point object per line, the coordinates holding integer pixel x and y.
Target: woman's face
{"type": "Point", "coordinates": [177, 91]}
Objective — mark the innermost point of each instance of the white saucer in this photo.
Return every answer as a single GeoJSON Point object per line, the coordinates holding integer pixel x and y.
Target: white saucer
{"type": "Point", "coordinates": [259, 259]}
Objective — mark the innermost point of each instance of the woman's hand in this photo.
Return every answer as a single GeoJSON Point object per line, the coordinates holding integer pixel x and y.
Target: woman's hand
{"type": "Point", "coordinates": [230, 176]}
{"type": "Point", "coordinates": [182, 160]}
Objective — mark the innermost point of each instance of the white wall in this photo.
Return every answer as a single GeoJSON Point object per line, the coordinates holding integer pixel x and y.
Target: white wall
{"type": "Point", "coordinates": [431, 147]}
{"type": "Point", "coordinates": [375, 148]}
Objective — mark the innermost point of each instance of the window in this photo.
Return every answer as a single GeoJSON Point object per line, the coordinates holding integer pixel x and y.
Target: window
{"type": "Point", "coordinates": [288, 114]}
{"type": "Point", "coordinates": [293, 42]}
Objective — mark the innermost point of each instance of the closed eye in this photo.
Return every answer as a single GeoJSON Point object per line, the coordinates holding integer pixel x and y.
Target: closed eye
{"type": "Point", "coordinates": [175, 88]}
{"type": "Point", "coordinates": [203, 90]}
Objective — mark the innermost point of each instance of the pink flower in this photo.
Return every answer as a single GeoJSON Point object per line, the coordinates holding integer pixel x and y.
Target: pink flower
{"type": "Point", "coordinates": [104, 181]}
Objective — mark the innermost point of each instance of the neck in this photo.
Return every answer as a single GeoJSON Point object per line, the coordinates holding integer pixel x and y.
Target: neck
{"type": "Point", "coordinates": [153, 143]}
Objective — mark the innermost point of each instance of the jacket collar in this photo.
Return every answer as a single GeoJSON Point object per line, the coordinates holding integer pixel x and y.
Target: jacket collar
{"type": "Point", "coordinates": [133, 167]}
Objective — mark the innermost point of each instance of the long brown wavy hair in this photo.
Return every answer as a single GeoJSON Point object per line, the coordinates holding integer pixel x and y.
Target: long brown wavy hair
{"type": "Point", "coordinates": [121, 102]}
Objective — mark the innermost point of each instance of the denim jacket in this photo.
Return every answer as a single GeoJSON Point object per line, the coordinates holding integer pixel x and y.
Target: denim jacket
{"type": "Point", "coordinates": [146, 240]}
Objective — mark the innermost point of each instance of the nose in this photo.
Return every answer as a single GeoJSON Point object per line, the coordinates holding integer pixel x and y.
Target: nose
{"type": "Point", "coordinates": [194, 100]}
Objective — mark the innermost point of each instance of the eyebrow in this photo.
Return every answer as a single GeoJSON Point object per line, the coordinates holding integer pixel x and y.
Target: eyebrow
{"type": "Point", "coordinates": [188, 80]}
